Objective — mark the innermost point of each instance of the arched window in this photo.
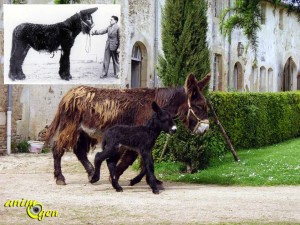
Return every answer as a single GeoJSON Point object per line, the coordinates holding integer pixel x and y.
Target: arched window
{"type": "Point", "coordinates": [238, 77]}
{"type": "Point", "coordinates": [262, 79]}
{"type": "Point", "coordinates": [217, 73]}
{"type": "Point", "coordinates": [254, 79]}
{"type": "Point", "coordinates": [270, 80]}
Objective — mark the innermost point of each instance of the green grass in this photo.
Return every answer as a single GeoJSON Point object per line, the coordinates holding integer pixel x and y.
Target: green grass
{"type": "Point", "coordinates": [273, 165]}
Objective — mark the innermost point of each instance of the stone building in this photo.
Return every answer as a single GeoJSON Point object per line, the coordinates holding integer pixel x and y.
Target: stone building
{"type": "Point", "coordinates": [276, 67]}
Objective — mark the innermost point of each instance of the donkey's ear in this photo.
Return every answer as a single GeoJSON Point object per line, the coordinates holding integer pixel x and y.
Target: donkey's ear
{"type": "Point", "coordinates": [155, 107]}
{"type": "Point", "coordinates": [202, 83]}
{"type": "Point", "coordinates": [191, 85]}
{"type": "Point", "coordinates": [88, 11]}
{"type": "Point", "coordinates": [190, 82]}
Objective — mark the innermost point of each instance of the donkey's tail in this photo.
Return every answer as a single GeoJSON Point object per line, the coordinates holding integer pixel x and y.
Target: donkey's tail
{"type": "Point", "coordinates": [53, 126]}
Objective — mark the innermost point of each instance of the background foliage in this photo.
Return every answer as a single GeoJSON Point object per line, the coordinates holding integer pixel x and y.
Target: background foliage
{"type": "Point", "coordinates": [251, 120]}
{"type": "Point", "coordinates": [184, 29]}
{"type": "Point", "coordinates": [246, 14]}
{"type": "Point", "coordinates": [258, 119]}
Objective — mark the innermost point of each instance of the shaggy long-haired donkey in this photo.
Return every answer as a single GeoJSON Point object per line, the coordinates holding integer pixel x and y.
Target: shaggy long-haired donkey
{"type": "Point", "coordinates": [139, 138]}
{"type": "Point", "coordinates": [48, 37]}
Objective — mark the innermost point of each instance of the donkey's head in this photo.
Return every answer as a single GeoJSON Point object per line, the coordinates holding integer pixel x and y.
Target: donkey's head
{"type": "Point", "coordinates": [87, 19]}
{"type": "Point", "coordinates": [194, 111]}
{"type": "Point", "coordinates": [163, 119]}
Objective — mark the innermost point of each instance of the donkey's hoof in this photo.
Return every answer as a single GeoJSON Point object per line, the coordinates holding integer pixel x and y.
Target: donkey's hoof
{"type": "Point", "coordinates": [94, 179]}
{"type": "Point", "coordinates": [11, 77]}
{"type": "Point", "coordinates": [132, 182]}
{"type": "Point", "coordinates": [14, 77]}
{"type": "Point", "coordinates": [90, 178]}
{"type": "Point", "coordinates": [60, 182]}
{"type": "Point", "coordinates": [119, 190]}
{"type": "Point", "coordinates": [68, 77]}
{"type": "Point", "coordinates": [156, 192]}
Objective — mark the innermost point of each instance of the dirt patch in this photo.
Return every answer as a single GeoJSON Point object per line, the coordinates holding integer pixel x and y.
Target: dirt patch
{"type": "Point", "coordinates": [30, 176]}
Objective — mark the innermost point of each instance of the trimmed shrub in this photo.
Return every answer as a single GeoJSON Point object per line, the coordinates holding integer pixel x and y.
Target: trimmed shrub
{"type": "Point", "coordinates": [258, 119]}
{"type": "Point", "coordinates": [194, 150]}
{"type": "Point", "coordinates": [250, 120]}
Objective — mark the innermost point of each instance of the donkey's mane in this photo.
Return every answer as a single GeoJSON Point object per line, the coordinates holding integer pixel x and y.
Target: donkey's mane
{"type": "Point", "coordinates": [164, 95]}
{"type": "Point", "coordinates": [70, 21]}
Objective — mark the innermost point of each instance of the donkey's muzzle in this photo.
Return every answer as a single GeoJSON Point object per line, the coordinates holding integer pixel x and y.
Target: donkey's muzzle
{"type": "Point", "coordinates": [202, 127]}
{"type": "Point", "coordinates": [173, 129]}
{"type": "Point", "coordinates": [86, 26]}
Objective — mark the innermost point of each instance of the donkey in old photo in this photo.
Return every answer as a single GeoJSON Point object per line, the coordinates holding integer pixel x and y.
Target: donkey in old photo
{"type": "Point", "coordinates": [49, 38]}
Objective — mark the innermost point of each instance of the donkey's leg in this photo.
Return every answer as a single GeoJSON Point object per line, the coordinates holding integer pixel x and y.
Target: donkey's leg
{"type": "Point", "coordinates": [57, 154]}
{"type": "Point", "coordinates": [158, 182]}
{"type": "Point", "coordinates": [81, 150]}
{"type": "Point", "coordinates": [111, 164]}
{"type": "Point", "coordinates": [99, 158]}
{"type": "Point", "coordinates": [149, 167]}
{"type": "Point", "coordinates": [24, 53]}
{"type": "Point", "coordinates": [126, 160]}
{"type": "Point", "coordinates": [18, 53]}
{"type": "Point", "coordinates": [64, 68]}
{"type": "Point", "coordinates": [138, 178]}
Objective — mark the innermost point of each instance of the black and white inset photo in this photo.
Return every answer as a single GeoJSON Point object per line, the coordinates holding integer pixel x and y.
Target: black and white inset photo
{"type": "Point", "coordinates": [62, 44]}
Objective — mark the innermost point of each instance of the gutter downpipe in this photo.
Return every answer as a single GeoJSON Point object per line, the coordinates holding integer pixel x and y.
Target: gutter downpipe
{"type": "Point", "coordinates": [8, 132]}
{"type": "Point", "coordinates": [156, 43]}
{"type": "Point", "coordinates": [8, 116]}
{"type": "Point", "coordinates": [229, 57]}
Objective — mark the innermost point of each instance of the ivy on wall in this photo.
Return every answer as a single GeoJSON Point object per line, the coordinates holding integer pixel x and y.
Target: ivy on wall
{"type": "Point", "coordinates": [247, 15]}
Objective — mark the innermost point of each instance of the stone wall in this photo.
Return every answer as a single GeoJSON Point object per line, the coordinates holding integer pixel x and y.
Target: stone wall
{"type": "Point", "coordinates": [16, 112]}
{"type": "Point", "coordinates": [276, 44]}
{"type": "Point", "coordinates": [2, 99]}
{"type": "Point", "coordinates": [2, 112]}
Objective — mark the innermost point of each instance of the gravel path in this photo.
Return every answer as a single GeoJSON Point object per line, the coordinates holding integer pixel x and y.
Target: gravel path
{"type": "Point", "coordinates": [30, 176]}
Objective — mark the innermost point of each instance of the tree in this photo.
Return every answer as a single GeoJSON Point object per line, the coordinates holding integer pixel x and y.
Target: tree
{"type": "Point", "coordinates": [184, 28]}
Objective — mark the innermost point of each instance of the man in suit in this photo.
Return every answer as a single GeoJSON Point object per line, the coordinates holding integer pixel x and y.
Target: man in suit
{"type": "Point", "coordinates": [111, 47]}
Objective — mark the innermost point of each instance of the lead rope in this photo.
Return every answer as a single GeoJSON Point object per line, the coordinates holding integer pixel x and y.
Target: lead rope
{"type": "Point", "coordinates": [88, 43]}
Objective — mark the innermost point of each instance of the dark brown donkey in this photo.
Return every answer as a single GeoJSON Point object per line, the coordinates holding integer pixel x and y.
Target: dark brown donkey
{"type": "Point", "coordinates": [85, 112]}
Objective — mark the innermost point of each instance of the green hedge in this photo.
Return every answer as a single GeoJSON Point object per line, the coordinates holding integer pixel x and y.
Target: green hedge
{"type": "Point", "coordinates": [258, 119]}
{"type": "Point", "coordinates": [250, 120]}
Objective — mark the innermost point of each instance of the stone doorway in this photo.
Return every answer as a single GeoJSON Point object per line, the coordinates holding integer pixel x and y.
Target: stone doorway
{"type": "Point", "coordinates": [138, 66]}
{"type": "Point", "coordinates": [289, 75]}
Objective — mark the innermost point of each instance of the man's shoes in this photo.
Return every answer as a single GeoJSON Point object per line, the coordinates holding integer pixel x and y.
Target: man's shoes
{"type": "Point", "coordinates": [117, 76]}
